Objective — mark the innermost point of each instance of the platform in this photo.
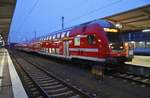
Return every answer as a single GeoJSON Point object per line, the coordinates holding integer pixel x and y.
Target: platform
{"type": "Point", "coordinates": [141, 61]}
{"type": "Point", "coordinates": [10, 84]}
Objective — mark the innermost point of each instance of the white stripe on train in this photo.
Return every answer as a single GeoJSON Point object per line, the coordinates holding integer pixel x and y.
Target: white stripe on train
{"type": "Point", "coordinates": [84, 49]}
{"type": "Point", "coordinates": [71, 56]}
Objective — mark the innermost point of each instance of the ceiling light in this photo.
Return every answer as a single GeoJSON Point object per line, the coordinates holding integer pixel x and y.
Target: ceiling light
{"type": "Point", "coordinates": [146, 30]}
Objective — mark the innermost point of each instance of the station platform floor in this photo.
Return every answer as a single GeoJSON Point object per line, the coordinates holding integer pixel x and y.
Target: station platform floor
{"type": "Point", "coordinates": [140, 61]}
{"type": "Point", "coordinates": [10, 84]}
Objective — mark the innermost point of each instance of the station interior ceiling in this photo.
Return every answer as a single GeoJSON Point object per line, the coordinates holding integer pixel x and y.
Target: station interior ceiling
{"type": "Point", "coordinates": [132, 20]}
{"type": "Point", "coordinates": [6, 13]}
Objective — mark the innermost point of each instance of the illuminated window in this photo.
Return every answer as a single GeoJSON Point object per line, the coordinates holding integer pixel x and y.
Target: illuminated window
{"type": "Point", "coordinates": [63, 34]}
{"type": "Point", "coordinates": [147, 44]}
{"type": "Point", "coordinates": [53, 50]}
{"type": "Point", "coordinates": [54, 36]}
{"type": "Point", "coordinates": [49, 37]}
{"type": "Point", "coordinates": [49, 50]}
{"type": "Point", "coordinates": [68, 32]}
{"type": "Point", "coordinates": [58, 35]}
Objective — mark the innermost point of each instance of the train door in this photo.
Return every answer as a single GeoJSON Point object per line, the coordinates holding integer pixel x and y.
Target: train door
{"type": "Point", "coordinates": [66, 48]}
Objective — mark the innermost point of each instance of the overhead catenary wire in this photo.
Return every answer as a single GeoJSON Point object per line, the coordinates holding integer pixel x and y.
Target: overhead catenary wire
{"type": "Point", "coordinates": [90, 12]}
{"type": "Point", "coordinates": [74, 19]}
{"type": "Point", "coordinates": [28, 14]}
{"type": "Point", "coordinates": [98, 9]}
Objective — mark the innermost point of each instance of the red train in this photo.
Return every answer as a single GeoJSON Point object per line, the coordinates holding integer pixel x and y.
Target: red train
{"type": "Point", "coordinates": [98, 41]}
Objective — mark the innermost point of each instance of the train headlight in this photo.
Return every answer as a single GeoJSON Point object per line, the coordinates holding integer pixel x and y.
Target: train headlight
{"type": "Point", "coordinates": [121, 47]}
{"type": "Point", "coordinates": [112, 47]}
{"type": "Point", "coordinates": [110, 44]}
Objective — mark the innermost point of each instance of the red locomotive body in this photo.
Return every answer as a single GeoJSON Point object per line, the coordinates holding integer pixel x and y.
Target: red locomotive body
{"type": "Point", "coordinates": [96, 41]}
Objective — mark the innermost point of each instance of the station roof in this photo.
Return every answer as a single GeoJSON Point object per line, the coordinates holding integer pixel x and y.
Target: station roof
{"type": "Point", "coordinates": [6, 13]}
{"type": "Point", "coordinates": [133, 20]}
{"type": "Point", "coordinates": [136, 19]}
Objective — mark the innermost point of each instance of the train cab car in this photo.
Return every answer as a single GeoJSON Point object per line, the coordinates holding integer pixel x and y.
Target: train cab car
{"type": "Point", "coordinates": [98, 41]}
{"type": "Point", "coordinates": [118, 49]}
{"type": "Point", "coordinates": [89, 43]}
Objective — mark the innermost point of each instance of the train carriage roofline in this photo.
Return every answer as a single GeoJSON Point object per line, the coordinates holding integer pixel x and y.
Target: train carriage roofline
{"type": "Point", "coordinates": [102, 22]}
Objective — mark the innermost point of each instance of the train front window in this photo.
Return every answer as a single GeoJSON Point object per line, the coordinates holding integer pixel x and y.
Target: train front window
{"type": "Point", "coordinates": [114, 37]}
{"type": "Point", "coordinates": [115, 41]}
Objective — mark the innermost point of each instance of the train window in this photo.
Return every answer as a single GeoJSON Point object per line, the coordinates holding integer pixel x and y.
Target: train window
{"type": "Point", "coordinates": [49, 37]}
{"type": "Point", "coordinates": [54, 36]}
{"type": "Point", "coordinates": [114, 37]}
{"type": "Point", "coordinates": [58, 35]}
{"type": "Point", "coordinates": [67, 33]}
{"type": "Point", "coordinates": [50, 50]}
{"type": "Point", "coordinates": [147, 44]}
{"type": "Point", "coordinates": [90, 39]}
{"type": "Point", "coordinates": [63, 34]}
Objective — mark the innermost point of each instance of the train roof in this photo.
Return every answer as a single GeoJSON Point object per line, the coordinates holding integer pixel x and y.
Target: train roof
{"type": "Point", "coordinates": [102, 22]}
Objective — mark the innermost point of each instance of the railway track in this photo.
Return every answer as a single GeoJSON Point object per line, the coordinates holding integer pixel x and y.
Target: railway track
{"type": "Point", "coordinates": [43, 84]}
{"type": "Point", "coordinates": [144, 80]}
{"type": "Point", "coordinates": [131, 77]}
{"type": "Point", "coordinates": [101, 89]}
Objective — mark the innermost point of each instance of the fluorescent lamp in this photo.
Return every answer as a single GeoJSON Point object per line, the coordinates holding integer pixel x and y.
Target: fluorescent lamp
{"type": "Point", "coordinates": [146, 30]}
{"type": "Point", "coordinates": [133, 42]}
{"type": "Point", "coordinates": [118, 25]}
